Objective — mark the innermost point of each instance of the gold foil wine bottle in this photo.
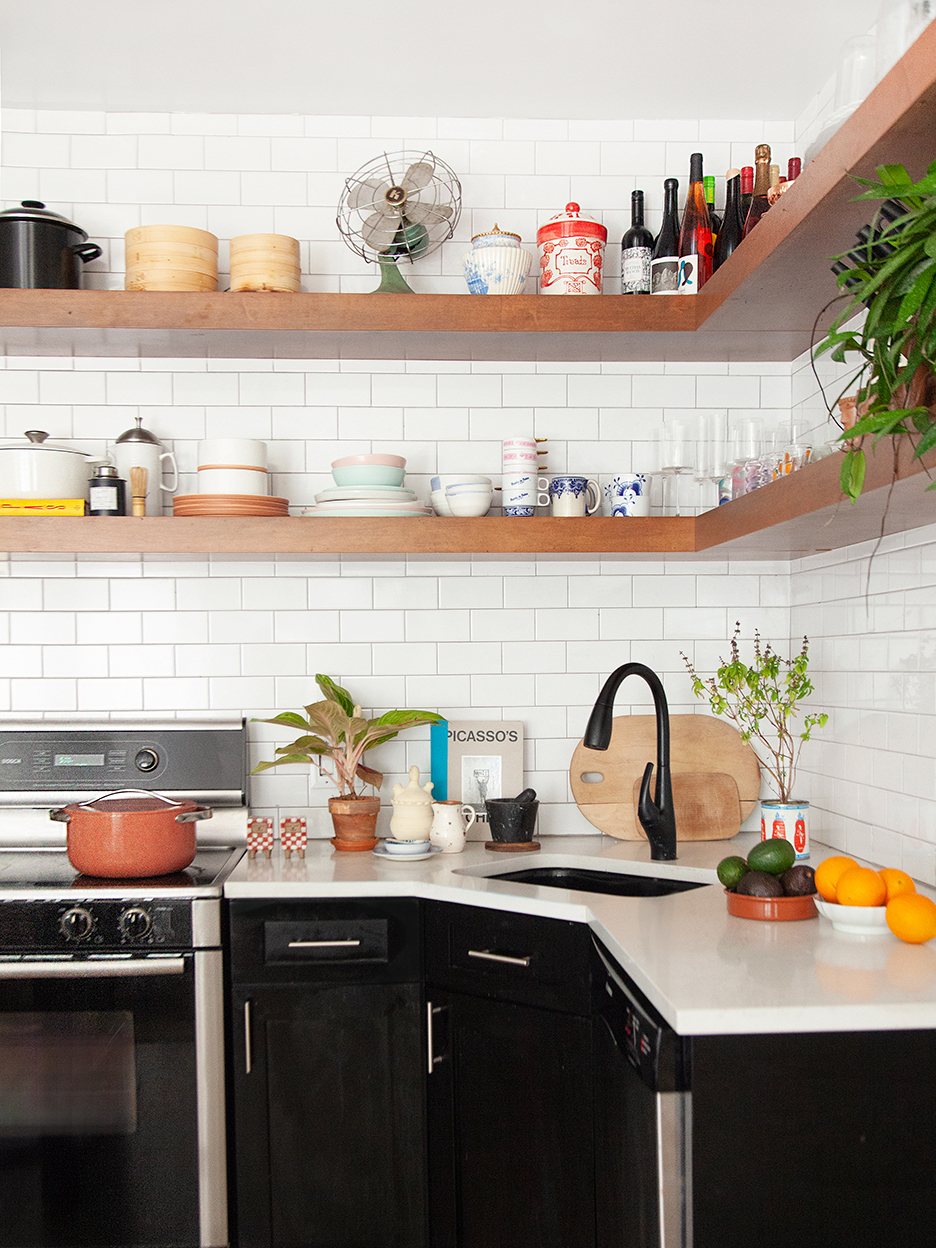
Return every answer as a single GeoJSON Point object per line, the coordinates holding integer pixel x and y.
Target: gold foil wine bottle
{"type": "Point", "coordinates": [759, 201]}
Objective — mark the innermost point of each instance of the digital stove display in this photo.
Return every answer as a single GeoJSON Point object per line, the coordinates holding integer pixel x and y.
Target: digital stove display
{"type": "Point", "coordinates": [78, 760]}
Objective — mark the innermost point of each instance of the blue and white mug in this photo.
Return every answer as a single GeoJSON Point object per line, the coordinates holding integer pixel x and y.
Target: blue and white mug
{"type": "Point", "coordinates": [522, 492]}
{"type": "Point", "coordinates": [629, 494]}
{"type": "Point", "coordinates": [574, 496]}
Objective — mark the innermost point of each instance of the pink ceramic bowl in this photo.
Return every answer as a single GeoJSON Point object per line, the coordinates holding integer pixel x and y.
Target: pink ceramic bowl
{"type": "Point", "coordinates": [383, 461]}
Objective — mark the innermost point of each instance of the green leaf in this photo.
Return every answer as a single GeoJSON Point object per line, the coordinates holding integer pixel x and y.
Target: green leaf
{"type": "Point", "coordinates": [852, 473]}
{"type": "Point", "coordinates": [926, 443]}
{"type": "Point", "coordinates": [405, 718]}
{"type": "Point", "coordinates": [288, 758]}
{"type": "Point", "coordinates": [288, 718]}
{"type": "Point", "coordinates": [335, 693]}
{"type": "Point", "coordinates": [369, 776]}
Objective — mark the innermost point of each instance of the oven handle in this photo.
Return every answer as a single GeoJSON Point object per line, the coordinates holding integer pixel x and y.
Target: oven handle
{"type": "Point", "coordinates": [92, 970]}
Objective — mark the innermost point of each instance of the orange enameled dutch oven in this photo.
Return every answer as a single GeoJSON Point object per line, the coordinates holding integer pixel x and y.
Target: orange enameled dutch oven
{"type": "Point", "coordinates": [131, 833]}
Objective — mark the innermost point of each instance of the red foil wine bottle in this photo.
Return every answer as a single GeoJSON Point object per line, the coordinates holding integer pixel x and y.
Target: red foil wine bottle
{"type": "Point", "coordinates": [695, 235]}
{"type": "Point", "coordinates": [759, 200]}
{"type": "Point", "coordinates": [732, 226]}
{"type": "Point", "coordinates": [747, 188]}
{"type": "Point", "coordinates": [664, 263]}
{"type": "Point", "coordinates": [794, 168]}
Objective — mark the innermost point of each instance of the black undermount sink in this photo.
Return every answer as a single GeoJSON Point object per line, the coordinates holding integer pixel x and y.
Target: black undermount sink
{"type": "Point", "coordinates": [587, 881]}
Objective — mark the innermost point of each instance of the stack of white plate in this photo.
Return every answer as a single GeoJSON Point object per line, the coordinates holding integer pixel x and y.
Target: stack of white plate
{"type": "Point", "coordinates": [377, 500]}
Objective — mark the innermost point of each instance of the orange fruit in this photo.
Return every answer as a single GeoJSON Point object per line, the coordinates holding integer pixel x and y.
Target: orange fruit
{"type": "Point", "coordinates": [828, 872]}
{"type": "Point", "coordinates": [860, 886]}
{"type": "Point", "coordinates": [896, 882]}
{"type": "Point", "coordinates": [912, 917]}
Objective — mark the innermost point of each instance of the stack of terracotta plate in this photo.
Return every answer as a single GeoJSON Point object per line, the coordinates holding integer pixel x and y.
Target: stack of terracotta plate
{"type": "Point", "coordinates": [229, 505]}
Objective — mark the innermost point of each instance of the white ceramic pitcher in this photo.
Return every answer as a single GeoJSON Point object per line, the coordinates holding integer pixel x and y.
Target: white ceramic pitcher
{"type": "Point", "coordinates": [138, 448]}
{"type": "Point", "coordinates": [450, 823]}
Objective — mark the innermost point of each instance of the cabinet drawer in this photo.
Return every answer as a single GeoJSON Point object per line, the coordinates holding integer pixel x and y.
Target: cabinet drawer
{"type": "Point", "coordinates": [513, 957]}
{"type": "Point", "coordinates": [324, 941]}
{"type": "Point", "coordinates": [359, 941]}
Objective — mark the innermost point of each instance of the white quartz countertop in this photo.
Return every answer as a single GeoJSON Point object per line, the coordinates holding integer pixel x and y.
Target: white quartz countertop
{"type": "Point", "coordinates": [704, 970]}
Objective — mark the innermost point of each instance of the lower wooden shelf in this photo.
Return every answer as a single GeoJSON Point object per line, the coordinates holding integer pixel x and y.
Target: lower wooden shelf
{"type": "Point", "coordinates": [799, 515]}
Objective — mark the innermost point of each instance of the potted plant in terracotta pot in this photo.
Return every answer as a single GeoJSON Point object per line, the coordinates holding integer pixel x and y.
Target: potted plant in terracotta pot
{"type": "Point", "coordinates": [762, 700]}
{"type": "Point", "coordinates": [893, 277]}
{"type": "Point", "coordinates": [336, 729]}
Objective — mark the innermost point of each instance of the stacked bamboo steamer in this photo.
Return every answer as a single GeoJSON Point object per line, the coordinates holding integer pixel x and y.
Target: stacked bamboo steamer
{"type": "Point", "coordinates": [265, 262]}
{"type": "Point", "coordinates": [171, 257]}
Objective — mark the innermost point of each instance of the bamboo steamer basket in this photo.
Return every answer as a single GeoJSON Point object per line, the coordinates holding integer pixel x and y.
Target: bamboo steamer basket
{"type": "Point", "coordinates": [171, 257]}
{"type": "Point", "coordinates": [265, 262]}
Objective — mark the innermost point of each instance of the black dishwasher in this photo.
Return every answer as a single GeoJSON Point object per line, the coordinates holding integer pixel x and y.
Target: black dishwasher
{"type": "Point", "coordinates": [643, 1179]}
{"type": "Point", "coordinates": [328, 1059]}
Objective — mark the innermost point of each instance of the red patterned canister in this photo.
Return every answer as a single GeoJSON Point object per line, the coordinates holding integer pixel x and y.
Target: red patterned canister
{"type": "Point", "coordinates": [571, 251]}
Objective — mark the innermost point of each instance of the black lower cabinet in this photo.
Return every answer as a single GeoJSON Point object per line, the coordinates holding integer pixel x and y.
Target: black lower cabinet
{"type": "Point", "coordinates": [511, 1147]}
{"type": "Point", "coordinates": [328, 1060]}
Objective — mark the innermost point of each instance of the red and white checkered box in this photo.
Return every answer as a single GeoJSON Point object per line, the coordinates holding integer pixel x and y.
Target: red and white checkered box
{"type": "Point", "coordinates": [293, 837]}
{"type": "Point", "coordinates": [259, 837]}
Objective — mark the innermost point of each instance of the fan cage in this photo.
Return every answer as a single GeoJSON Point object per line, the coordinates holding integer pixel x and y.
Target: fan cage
{"type": "Point", "coordinates": [443, 189]}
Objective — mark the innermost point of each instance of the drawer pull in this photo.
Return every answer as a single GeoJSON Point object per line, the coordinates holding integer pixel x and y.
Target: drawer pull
{"type": "Point", "coordinates": [322, 944]}
{"type": "Point", "coordinates": [248, 1052]}
{"type": "Point", "coordinates": [487, 956]}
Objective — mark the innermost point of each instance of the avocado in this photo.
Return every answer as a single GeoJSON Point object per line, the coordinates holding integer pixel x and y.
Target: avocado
{"type": "Point", "coordinates": [775, 855]}
{"type": "Point", "coordinates": [798, 881]}
{"type": "Point", "coordinates": [730, 870]}
{"type": "Point", "coordinates": [759, 884]}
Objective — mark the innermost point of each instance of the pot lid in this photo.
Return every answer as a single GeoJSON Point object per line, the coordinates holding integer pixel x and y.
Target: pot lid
{"type": "Point", "coordinates": [569, 223]}
{"type": "Point", "coordinates": [33, 210]}
{"type": "Point", "coordinates": [139, 434]}
{"type": "Point", "coordinates": [122, 803]}
{"type": "Point", "coordinates": [496, 236]}
{"type": "Point", "coordinates": [36, 441]}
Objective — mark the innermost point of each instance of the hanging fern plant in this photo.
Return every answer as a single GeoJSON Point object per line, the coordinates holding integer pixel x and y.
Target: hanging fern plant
{"type": "Point", "coordinates": [893, 276]}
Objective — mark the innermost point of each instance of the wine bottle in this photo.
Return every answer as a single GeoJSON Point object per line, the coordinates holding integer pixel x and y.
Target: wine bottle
{"type": "Point", "coordinates": [759, 201]}
{"type": "Point", "coordinates": [664, 263]}
{"type": "Point", "coordinates": [794, 168]}
{"type": "Point", "coordinates": [636, 250]}
{"type": "Point", "coordinates": [747, 188]}
{"type": "Point", "coordinates": [709, 183]}
{"type": "Point", "coordinates": [695, 235]}
{"type": "Point", "coordinates": [732, 226]}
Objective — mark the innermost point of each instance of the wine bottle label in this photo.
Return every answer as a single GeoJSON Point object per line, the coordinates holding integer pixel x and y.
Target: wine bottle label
{"type": "Point", "coordinates": [688, 283]}
{"type": "Point", "coordinates": [664, 275]}
{"type": "Point", "coordinates": [635, 271]}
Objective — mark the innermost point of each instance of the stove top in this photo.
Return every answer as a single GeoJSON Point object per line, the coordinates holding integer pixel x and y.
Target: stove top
{"type": "Point", "coordinates": [27, 874]}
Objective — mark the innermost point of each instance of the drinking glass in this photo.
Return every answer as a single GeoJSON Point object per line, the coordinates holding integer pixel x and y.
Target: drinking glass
{"type": "Point", "coordinates": [676, 460]}
{"type": "Point", "coordinates": [746, 436]}
{"type": "Point", "coordinates": [711, 464]}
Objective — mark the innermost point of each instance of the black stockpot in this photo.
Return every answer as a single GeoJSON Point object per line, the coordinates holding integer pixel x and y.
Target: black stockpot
{"type": "Point", "coordinates": [39, 250]}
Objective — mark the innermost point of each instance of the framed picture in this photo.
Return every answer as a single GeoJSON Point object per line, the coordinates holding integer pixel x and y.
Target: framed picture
{"type": "Point", "coordinates": [473, 760]}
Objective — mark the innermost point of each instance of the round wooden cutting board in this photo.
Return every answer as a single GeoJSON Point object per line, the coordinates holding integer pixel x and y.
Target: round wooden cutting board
{"type": "Point", "coordinates": [715, 774]}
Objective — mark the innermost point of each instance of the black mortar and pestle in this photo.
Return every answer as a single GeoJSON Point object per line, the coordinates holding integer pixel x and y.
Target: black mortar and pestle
{"type": "Point", "coordinates": [512, 821]}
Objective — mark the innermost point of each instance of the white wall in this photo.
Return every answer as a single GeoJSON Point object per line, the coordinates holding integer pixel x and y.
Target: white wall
{"type": "Point", "coordinates": [528, 638]}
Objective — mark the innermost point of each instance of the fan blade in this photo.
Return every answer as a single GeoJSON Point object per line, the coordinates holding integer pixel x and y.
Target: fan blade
{"type": "Point", "coordinates": [366, 194]}
{"type": "Point", "coordinates": [423, 214]}
{"type": "Point", "coordinates": [417, 176]}
{"type": "Point", "coordinates": [379, 230]}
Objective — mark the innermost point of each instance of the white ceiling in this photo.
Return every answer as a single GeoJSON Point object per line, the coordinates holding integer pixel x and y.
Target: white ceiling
{"type": "Point", "coordinates": [589, 59]}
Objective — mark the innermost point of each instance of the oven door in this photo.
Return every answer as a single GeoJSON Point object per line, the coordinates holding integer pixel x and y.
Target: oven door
{"type": "Point", "coordinates": [100, 1103]}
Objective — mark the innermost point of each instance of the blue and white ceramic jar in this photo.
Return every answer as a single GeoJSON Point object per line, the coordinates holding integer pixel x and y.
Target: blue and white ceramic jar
{"type": "Point", "coordinates": [496, 264]}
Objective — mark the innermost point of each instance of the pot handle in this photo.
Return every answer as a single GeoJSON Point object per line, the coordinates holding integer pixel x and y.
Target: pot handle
{"type": "Point", "coordinates": [87, 251]}
{"type": "Point", "coordinates": [61, 815]}
{"type": "Point", "coordinates": [193, 816]}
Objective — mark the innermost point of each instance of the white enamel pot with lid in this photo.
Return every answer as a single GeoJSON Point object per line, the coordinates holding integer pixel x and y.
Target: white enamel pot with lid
{"type": "Point", "coordinates": [37, 468]}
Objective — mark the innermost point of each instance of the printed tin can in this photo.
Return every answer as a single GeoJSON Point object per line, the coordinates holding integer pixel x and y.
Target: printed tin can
{"type": "Point", "coordinates": [788, 821]}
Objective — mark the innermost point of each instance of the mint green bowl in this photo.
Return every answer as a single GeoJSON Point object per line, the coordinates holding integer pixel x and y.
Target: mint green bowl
{"type": "Point", "coordinates": [368, 474]}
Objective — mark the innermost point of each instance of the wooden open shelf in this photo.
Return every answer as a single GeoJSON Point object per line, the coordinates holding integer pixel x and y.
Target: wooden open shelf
{"type": "Point", "coordinates": [761, 305]}
{"type": "Point", "coordinates": [799, 515]}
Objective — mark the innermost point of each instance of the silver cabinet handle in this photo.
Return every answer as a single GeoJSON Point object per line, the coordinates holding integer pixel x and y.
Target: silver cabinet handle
{"type": "Point", "coordinates": [248, 1056]}
{"type": "Point", "coordinates": [487, 956]}
{"type": "Point", "coordinates": [92, 969]}
{"type": "Point", "coordinates": [430, 1010]}
{"type": "Point", "coordinates": [322, 944]}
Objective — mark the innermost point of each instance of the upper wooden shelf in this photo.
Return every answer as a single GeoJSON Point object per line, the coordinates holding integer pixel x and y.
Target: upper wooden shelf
{"type": "Point", "coordinates": [798, 515]}
{"type": "Point", "coordinates": [760, 306]}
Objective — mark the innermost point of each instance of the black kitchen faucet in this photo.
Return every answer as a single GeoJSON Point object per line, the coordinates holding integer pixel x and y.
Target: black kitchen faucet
{"type": "Point", "coordinates": [657, 816]}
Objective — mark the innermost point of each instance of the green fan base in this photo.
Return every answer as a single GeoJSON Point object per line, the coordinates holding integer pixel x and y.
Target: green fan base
{"type": "Point", "coordinates": [392, 281]}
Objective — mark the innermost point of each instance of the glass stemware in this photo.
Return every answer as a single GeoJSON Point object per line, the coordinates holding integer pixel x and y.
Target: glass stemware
{"type": "Point", "coordinates": [676, 460]}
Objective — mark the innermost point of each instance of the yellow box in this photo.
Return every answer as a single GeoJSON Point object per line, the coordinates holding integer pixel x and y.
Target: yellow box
{"type": "Point", "coordinates": [42, 506]}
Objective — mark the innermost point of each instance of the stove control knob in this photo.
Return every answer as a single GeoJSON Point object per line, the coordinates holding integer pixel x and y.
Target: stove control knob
{"type": "Point", "coordinates": [135, 923]}
{"type": "Point", "coordinates": [146, 760]}
{"type": "Point", "coordinates": [76, 924]}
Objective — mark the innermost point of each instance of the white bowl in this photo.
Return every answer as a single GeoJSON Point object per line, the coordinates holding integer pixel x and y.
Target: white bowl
{"type": "Point", "coordinates": [468, 500]}
{"type": "Point", "coordinates": [405, 847]}
{"type": "Point", "coordinates": [443, 481]}
{"type": "Point", "coordinates": [859, 920]}
{"type": "Point", "coordinates": [354, 461]}
{"type": "Point", "coordinates": [440, 503]}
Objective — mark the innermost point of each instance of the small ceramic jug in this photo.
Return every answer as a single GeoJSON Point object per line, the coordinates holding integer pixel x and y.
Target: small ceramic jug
{"type": "Point", "coordinates": [412, 809]}
{"type": "Point", "coordinates": [450, 825]}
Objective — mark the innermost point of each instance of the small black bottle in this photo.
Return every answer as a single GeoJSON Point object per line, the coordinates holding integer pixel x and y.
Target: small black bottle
{"type": "Point", "coordinates": [732, 226]}
{"type": "Point", "coordinates": [664, 264]}
{"type": "Point", "coordinates": [107, 493]}
{"type": "Point", "coordinates": [636, 250]}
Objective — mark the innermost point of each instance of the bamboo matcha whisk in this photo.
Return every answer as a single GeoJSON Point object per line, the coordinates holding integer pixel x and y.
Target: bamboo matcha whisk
{"type": "Point", "coordinates": [138, 480]}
